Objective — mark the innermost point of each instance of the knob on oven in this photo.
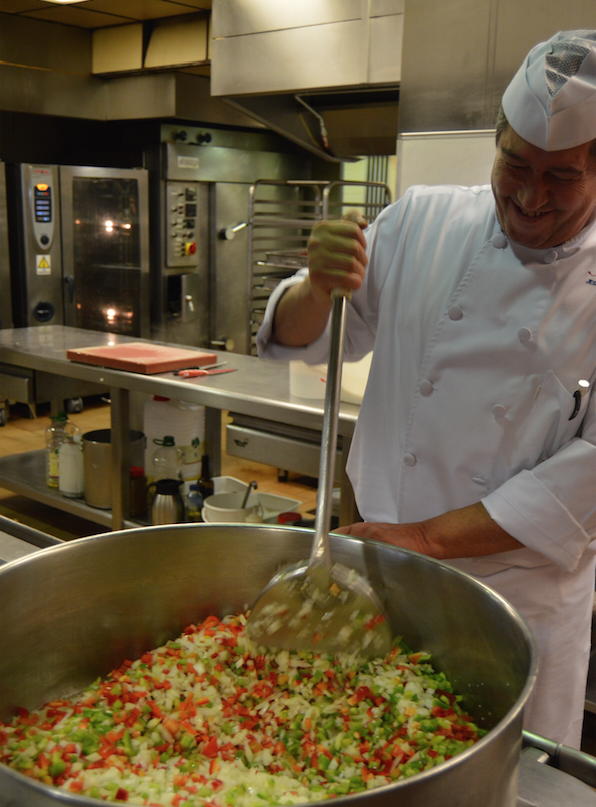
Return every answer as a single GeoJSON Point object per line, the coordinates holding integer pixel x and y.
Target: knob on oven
{"type": "Point", "coordinates": [43, 312]}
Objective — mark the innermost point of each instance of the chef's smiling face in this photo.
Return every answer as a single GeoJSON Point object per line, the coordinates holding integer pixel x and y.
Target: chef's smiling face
{"type": "Point", "coordinates": [543, 198]}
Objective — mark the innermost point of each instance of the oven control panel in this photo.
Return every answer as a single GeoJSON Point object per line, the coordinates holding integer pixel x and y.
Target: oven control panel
{"type": "Point", "coordinates": [43, 201]}
{"type": "Point", "coordinates": [181, 224]}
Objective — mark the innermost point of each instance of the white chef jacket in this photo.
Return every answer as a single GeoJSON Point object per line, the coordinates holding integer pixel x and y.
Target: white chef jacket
{"type": "Point", "coordinates": [479, 345]}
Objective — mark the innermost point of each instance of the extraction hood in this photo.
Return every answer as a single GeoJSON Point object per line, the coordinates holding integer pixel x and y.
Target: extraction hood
{"type": "Point", "coordinates": [340, 125]}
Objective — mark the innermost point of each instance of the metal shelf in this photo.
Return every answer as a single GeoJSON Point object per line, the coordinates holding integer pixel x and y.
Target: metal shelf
{"type": "Point", "coordinates": [25, 474]}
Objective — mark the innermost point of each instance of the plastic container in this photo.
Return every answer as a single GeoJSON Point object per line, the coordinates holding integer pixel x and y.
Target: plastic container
{"type": "Point", "coordinates": [186, 423]}
{"type": "Point", "coordinates": [310, 381]}
{"type": "Point", "coordinates": [61, 430]}
{"type": "Point", "coordinates": [71, 468]}
{"type": "Point", "coordinates": [167, 459]}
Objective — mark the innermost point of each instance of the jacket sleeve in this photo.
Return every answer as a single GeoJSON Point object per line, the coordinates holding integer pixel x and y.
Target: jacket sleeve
{"type": "Point", "coordinates": [552, 507]}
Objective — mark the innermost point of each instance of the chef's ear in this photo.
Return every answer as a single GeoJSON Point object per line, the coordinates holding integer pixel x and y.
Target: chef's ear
{"type": "Point", "coordinates": [357, 217]}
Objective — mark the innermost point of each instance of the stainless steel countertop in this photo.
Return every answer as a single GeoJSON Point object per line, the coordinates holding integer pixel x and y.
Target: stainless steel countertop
{"type": "Point", "coordinates": [260, 387]}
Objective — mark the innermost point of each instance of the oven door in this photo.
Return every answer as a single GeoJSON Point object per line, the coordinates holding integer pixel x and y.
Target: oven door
{"type": "Point", "coordinates": [105, 249]}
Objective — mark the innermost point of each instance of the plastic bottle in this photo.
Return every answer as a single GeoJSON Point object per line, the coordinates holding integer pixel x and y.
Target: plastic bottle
{"type": "Point", "coordinates": [206, 485]}
{"type": "Point", "coordinates": [194, 504]}
{"type": "Point", "coordinates": [61, 430]}
{"type": "Point", "coordinates": [167, 460]}
{"type": "Point", "coordinates": [71, 468]}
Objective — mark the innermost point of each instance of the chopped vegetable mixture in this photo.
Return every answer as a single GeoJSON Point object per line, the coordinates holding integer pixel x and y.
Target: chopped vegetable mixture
{"type": "Point", "coordinates": [213, 720]}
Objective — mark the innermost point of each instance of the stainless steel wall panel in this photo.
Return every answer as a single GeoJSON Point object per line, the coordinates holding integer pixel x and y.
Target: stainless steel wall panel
{"type": "Point", "coordinates": [296, 59]}
{"type": "Point", "coordinates": [214, 164]}
{"type": "Point", "coordinates": [26, 41]}
{"type": "Point", "coordinates": [231, 18]}
{"type": "Point", "coordinates": [519, 26]}
{"type": "Point", "coordinates": [384, 54]}
{"type": "Point", "coordinates": [459, 56]}
{"type": "Point", "coordinates": [444, 64]}
{"type": "Point", "coordinates": [382, 8]}
{"type": "Point", "coordinates": [24, 89]}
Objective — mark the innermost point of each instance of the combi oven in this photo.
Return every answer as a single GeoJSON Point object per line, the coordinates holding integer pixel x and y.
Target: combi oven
{"type": "Point", "coordinates": [79, 247]}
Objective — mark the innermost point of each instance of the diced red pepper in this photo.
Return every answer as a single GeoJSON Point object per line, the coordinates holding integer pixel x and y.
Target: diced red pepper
{"type": "Point", "coordinates": [210, 748]}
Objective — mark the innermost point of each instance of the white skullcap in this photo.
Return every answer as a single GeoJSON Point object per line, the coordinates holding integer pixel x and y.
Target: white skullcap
{"type": "Point", "coordinates": [551, 100]}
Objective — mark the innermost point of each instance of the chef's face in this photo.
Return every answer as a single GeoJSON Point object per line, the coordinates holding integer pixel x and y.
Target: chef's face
{"type": "Point", "coordinates": [543, 197]}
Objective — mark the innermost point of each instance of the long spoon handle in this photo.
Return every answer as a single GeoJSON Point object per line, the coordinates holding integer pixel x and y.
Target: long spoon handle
{"type": "Point", "coordinates": [320, 552]}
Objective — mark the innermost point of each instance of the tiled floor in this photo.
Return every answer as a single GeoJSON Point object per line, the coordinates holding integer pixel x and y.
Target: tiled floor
{"type": "Point", "coordinates": [23, 433]}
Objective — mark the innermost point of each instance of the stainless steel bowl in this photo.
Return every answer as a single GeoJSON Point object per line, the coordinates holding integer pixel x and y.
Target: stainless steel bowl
{"type": "Point", "coordinates": [74, 612]}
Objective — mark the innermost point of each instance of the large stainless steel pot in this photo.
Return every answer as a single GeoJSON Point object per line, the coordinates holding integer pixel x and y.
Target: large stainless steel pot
{"type": "Point", "coordinates": [74, 612]}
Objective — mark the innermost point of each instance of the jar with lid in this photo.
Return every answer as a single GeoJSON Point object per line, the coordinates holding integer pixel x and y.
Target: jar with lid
{"type": "Point", "coordinates": [167, 460]}
{"type": "Point", "coordinates": [194, 504]}
{"type": "Point", "coordinates": [61, 430]}
{"type": "Point", "coordinates": [71, 480]}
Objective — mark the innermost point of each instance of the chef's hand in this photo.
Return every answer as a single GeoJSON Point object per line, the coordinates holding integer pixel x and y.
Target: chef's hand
{"type": "Point", "coordinates": [468, 532]}
{"type": "Point", "coordinates": [337, 254]}
{"type": "Point", "coordinates": [336, 257]}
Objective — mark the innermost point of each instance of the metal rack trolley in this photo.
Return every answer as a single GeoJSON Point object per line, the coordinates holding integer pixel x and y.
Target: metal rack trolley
{"type": "Point", "coordinates": [281, 217]}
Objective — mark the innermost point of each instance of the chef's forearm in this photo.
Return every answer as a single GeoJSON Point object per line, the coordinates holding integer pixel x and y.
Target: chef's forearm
{"type": "Point", "coordinates": [301, 316]}
{"type": "Point", "coordinates": [465, 533]}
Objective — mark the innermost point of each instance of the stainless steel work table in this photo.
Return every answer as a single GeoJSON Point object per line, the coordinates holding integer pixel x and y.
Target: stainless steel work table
{"type": "Point", "coordinates": [259, 388]}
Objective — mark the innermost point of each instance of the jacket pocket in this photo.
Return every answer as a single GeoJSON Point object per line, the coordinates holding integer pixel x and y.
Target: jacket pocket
{"type": "Point", "coordinates": [548, 426]}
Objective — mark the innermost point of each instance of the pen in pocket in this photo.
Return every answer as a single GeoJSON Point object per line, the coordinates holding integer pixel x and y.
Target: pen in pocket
{"type": "Point", "coordinates": [582, 387]}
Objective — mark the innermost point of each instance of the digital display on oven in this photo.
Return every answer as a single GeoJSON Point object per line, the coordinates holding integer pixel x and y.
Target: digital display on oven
{"type": "Point", "coordinates": [42, 202]}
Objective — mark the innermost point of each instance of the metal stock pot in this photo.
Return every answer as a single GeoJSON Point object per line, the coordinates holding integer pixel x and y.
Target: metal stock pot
{"type": "Point", "coordinates": [74, 612]}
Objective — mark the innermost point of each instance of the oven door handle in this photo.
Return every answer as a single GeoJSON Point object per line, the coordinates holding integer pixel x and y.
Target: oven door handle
{"type": "Point", "coordinates": [69, 282]}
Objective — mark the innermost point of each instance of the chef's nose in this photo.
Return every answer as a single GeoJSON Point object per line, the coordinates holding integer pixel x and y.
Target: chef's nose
{"type": "Point", "coordinates": [533, 194]}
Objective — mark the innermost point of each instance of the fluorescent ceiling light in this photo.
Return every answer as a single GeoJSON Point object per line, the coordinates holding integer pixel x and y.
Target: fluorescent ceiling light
{"type": "Point", "coordinates": [64, 2]}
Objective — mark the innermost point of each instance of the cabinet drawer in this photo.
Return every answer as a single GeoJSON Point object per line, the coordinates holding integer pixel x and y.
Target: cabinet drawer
{"type": "Point", "coordinates": [285, 453]}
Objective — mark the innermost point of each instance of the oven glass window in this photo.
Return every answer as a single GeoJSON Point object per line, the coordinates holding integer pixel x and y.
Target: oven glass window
{"type": "Point", "coordinates": [107, 254]}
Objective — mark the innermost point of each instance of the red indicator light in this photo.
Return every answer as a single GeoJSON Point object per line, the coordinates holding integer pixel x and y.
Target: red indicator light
{"type": "Point", "coordinates": [42, 186]}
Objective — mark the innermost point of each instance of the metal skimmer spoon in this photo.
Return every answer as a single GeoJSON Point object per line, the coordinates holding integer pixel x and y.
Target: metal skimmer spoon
{"type": "Point", "coordinates": [319, 605]}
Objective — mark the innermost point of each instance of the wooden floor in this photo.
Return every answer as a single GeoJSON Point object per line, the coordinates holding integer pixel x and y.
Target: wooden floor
{"type": "Point", "coordinates": [24, 433]}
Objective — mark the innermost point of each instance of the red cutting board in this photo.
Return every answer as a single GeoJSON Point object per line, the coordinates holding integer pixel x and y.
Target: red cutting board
{"type": "Point", "coordinates": [142, 357]}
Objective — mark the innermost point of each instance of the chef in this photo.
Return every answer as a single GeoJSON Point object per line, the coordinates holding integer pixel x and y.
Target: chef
{"type": "Point", "coordinates": [476, 438]}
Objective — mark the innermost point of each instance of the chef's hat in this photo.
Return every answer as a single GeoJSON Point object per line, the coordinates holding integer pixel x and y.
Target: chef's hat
{"type": "Point", "coordinates": [551, 101]}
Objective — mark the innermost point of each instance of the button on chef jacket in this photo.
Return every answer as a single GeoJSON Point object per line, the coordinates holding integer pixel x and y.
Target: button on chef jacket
{"type": "Point", "coordinates": [479, 344]}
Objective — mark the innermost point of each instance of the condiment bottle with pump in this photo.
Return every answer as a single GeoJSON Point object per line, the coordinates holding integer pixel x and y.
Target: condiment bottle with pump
{"type": "Point", "coordinates": [167, 460]}
{"type": "Point", "coordinates": [61, 430]}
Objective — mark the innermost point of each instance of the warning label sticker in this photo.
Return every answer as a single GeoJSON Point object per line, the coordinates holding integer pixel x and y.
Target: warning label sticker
{"type": "Point", "coordinates": [43, 264]}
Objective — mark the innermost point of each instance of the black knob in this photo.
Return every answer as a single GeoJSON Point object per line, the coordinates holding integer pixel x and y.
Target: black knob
{"type": "Point", "coordinates": [203, 138]}
{"type": "Point", "coordinates": [43, 312]}
{"type": "Point", "coordinates": [181, 135]}
{"type": "Point", "coordinates": [45, 239]}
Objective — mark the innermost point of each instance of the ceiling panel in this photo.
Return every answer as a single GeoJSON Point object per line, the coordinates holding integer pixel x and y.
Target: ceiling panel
{"type": "Point", "coordinates": [73, 15]}
{"type": "Point", "coordinates": [18, 6]}
{"type": "Point", "coordinates": [144, 10]}
{"type": "Point", "coordinates": [100, 13]}
{"type": "Point", "coordinates": [198, 4]}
